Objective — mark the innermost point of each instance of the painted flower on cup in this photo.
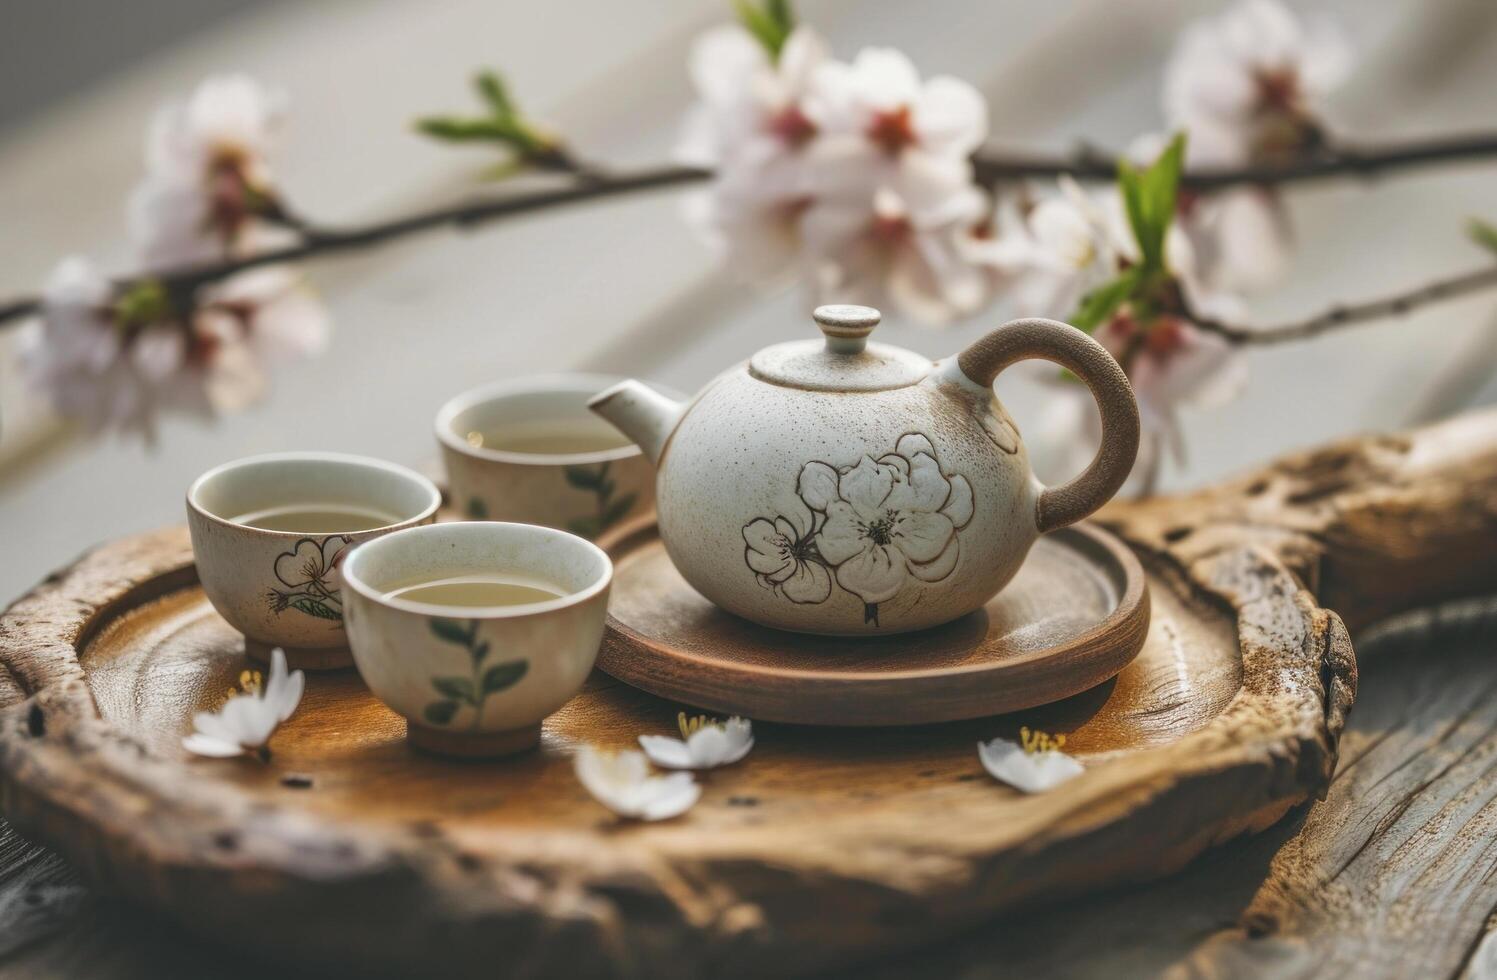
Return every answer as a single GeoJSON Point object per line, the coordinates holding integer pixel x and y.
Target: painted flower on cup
{"type": "Point", "coordinates": [1033, 764]}
{"type": "Point", "coordinates": [705, 743]}
{"type": "Point", "coordinates": [310, 578]}
{"type": "Point", "coordinates": [622, 782]}
{"type": "Point", "coordinates": [879, 525]}
{"type": "Point", "coordinates": [251, 714]}
{"type": "Point", "coordinates": [208, 177]}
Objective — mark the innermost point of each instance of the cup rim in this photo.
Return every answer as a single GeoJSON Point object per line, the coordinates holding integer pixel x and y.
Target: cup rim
{"type": "Point", "coordinates": [314, 456]}
{"type": "Point", "coordinates": [353, 580]}
{"type": "Point", "coordinates": [582, 382]}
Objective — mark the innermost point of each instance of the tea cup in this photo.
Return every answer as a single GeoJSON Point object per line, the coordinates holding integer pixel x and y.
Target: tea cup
{"type": "Point", "coordinates": [475, 680]}
{"type": "Point", "coordinates": [530, 451]}
{"type": "Point", "coordinates": [270, 534]}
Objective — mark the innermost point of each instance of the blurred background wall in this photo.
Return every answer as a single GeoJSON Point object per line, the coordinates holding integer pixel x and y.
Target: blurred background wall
{"type": "Point", "coordinates": [623, 286]}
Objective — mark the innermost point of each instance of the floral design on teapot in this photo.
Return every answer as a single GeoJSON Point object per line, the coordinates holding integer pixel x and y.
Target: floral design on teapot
{"type": "Point", "coordinates": [872, 527]}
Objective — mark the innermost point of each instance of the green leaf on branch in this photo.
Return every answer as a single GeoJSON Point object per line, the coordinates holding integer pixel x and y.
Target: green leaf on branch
{"type": "Point", "coordinates": [502, 125]}
{"type": "Point", "coordinates": [1149, 196]}
{"type": "Point", "coordinates": [440, 712]}
{"type": "Point", "coordinates": [142, 303]}
{"type": "Point", "coordinates": [491, 87]}
{"type": "Point", "coordinates": [449, 630]}
{"type": "Point", "coordinates": [315, 607]}
{"type": "Point", "coordinates": [1483, 233]}
{"type": "Point", "coordinates": [501, 676]}
{"type": "Point", "coordinates": [583, 478]}
{"type": "Point", "coordinates": [457, 688]}
{"type": "Point", "coordinates": [1099, 304]}
{"type": "Point", "coordinates": [770, 22]}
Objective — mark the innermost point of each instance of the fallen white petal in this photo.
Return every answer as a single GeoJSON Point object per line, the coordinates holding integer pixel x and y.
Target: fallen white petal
{"type": "Point", "coordinates": [706, 748]}
{"type": "Point", "coordinates": [622, 782]}
{"type": "Point", "coordinates": [663, 750]}
{"type": "Point", "coordinates": [1031, 772]}
{"type": "Point", "coordinates": [677, 794]}
{"type": "Point", "coordinates": [200, 744]}
{"type": "Point", "coordinates": [247, 721]}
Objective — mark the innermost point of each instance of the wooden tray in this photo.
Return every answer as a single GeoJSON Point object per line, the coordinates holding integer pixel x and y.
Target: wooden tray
{"type": "Point", "coordinates": [349, 851]}
{"type": "Point", "coordinates": [1073, 617]}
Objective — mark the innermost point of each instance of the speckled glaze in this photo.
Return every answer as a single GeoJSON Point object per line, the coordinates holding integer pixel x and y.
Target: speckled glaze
{"type": "Point", "coordinates": [853, 488]}
{"type": "Point", "coordinates": [585, 493]}
{"type": "Point", "coordinates": [284, 588]}
{"type": "Point", "coordinates": [476, 673]}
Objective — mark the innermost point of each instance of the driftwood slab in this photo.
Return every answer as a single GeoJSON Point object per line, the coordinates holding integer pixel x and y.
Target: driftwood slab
{"type": "Point", "coordinates": [1074, 616]}
{"type": "Point", "coordinates": [821, 846]}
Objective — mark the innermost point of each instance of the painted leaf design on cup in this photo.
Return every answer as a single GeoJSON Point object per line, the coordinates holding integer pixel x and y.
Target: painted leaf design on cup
{"type": "Point", "coordinates": [310, 581]}
{"type": "Point", "coordinates": [610, 507]}
{"type": "Point", "coordinates": [876, 525]}
{"type": "Point", "coordinates": [471, 691]}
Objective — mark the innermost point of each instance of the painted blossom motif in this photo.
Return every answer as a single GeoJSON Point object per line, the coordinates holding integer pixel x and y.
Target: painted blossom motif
{"type": "Point", "coordinates": [310, 575]}
{"type": "Point", "coordinates": [875, 525]}
{"type": "Point", "coordinates": [782, 553]}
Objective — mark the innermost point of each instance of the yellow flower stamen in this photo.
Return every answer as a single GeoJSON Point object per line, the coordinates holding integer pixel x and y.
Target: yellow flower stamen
{"type": "Point", "coordinates": [690, 726]}
{"type": "Point", "coordinates": [1035, 742]}
{"type": "Point", "coordinates": [250, 682]}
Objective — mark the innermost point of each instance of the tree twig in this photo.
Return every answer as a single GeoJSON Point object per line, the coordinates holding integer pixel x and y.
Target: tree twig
{"type": "Point", "coordinates": [1341, 160]}
{"type": "Point", "coordinates": [1086, 163]}
{"type": "Point", "coordinates": [1345, 315]}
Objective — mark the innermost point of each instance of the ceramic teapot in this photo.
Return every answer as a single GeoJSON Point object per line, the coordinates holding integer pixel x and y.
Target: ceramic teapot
{"type": "Point", "coordinates": [845, 487]}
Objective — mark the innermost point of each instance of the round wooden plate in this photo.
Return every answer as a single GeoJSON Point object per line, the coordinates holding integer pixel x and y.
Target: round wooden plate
{"type": "Point", "coordinates": [1074, 616]}
{"type": "Point", "coordinates": [348, 851]}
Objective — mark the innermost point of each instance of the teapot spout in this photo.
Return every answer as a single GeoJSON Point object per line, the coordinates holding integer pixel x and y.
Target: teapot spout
{"type": "Point", "coordinates": [641, 413]}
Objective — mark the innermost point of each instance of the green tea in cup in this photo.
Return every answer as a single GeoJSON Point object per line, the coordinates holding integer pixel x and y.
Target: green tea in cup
{"type": "Point", "coordinates": [316, 519]}
{"type": "Point", "coordinates": [475, 591]}
{"type": "Point", "coordinates": [548, 437]}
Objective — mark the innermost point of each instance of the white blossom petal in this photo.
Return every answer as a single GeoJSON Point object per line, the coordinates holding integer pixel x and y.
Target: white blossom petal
{"type": "Point", "coordinates": [1031, 772]}
{"type": "Point", "coordinates": [670, 753]}
{"type": "Point", "coordinates": [205, 745]}
{"type": "Point", "coordinates": [622, 782]}
{"type": "Point", "coordinates": [708, 747]}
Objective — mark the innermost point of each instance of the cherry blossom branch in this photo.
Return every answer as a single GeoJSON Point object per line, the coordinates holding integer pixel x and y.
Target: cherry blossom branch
{"type": "Point", "coordinates": [1085, 164]}
{"type": "Point", "coordinates": [1345, 315]}
{"type": "Point", "coordinates": [1338, 160]}
{"type": "Point", "coordinates": [323, 241]}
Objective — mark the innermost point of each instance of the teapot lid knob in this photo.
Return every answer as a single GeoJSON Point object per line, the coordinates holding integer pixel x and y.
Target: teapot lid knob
{"type": "Point", "coordinates": [846, 327]}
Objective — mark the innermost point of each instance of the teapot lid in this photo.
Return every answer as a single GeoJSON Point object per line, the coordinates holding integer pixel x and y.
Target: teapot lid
{"type": "Point", "coordinates": [845, 362]}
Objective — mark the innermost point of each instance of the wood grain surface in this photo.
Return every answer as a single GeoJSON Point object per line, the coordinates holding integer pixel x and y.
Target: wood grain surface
{"type": "Point", "coordinates": [849, 847]}
{"type": "Point", "coordinates": [1354, 885]}
{"type": "Point", "coordinates": [1075, 615]}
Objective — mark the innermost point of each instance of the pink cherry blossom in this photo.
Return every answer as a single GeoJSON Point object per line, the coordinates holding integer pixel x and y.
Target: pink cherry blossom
{"type": "Point", "coordinates": [1248, 84]}
{"type": "Point", "coordinates": [208, 174]}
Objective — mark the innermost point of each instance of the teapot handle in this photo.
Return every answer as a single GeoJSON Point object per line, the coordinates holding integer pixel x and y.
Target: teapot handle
{"type": "Point", "coordinates": [1052, 340]}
